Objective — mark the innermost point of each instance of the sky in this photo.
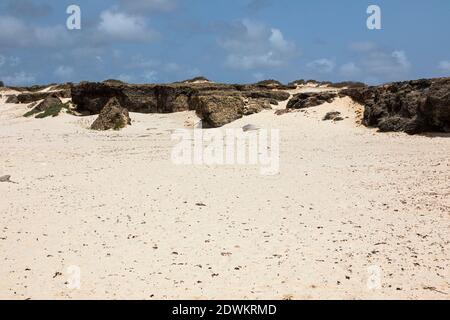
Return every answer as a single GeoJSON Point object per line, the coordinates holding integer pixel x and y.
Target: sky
{"type": "Point", "coordinates": [231, 41]}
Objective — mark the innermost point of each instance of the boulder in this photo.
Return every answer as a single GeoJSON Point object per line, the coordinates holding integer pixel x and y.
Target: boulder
{"type": "Point", "coordinates": [413, 106]}
{"type": "Point", "coordinates": [12, 99]}
{"type": "Point", "coordinates": [112, 116]}
{"type": "Point", "coordinates": [256, 106]}
{"type": "Point", "coordinates": [333, 115]}
{"type": "Point", "coordinates": [50, 101]}
{"type": "Point", "coordinates": [310, 99]}
{"type": "Point", "coordinates": [218, 110]}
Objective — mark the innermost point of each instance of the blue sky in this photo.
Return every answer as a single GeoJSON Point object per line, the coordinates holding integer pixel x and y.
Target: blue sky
{"type": "Point", "coordinates": [237, 41]}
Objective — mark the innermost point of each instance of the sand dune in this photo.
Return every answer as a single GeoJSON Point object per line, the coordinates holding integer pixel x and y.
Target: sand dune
{"type": "Point", "coordinates": [348, 200]}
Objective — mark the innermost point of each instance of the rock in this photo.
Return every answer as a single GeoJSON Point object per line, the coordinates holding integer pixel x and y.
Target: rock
{"type": "Point", "coordinates": [49, 101]}
{"type": "Point", "coordinates": [256, 106]}
{"type": "Point", "coordinates": [5, 178]}
{"type": "Point", "coordinates": [2, 84]}
{"type": "Point", "coordinates": [29, 97]}
{"type": "Point", "coordinates": [218, 110]}
{"type": "Point", "coordinates": [310, 99]}
{"type": "Point", "coordinates": [282, 111]}
{"type": "Point", "coordinates": [267, 94]}
{"type": "Point", "coordinates": [333, 115]}
{"type": "Point", "coordinates": [91, 97]}
{"type": "Point", "coordinates": [269, 83]}
{"type": "Point", "coordinates": [412, 106]}
{"type": "Point", "coordinates": [113, 81]}
{"type": "Point", "coordinates": [249, 127]}
{"type": "Point", "coordinates": [12, 99]}
{"type": "Point", "coordinates": [112, 116]}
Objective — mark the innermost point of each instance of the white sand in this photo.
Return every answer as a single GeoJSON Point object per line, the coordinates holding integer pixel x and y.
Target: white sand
{"type": "Point", "coordinates": [113, 204]}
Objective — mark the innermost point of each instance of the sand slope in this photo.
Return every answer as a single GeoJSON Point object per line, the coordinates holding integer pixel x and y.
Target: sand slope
{"type": "Point", "coordinates": [113, 204]}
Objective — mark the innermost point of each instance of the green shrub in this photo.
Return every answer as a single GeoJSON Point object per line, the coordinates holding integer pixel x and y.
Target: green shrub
{"type": "Point", "coordinates": [52, 111]}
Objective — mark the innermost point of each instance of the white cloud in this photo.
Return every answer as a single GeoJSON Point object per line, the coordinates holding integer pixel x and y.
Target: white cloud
{"type": "Point", "coordinates": [252, 45]}
{"type": "Point", "coordinates": [322, 65]}
{"type": "Point", "coordinates": [278, 42]}
{"type": "Point", "coordinates": [64, 72]}
{"type": "Point", "coordinates": [124, 27]}
{"type": "Point", "coordinates": [390, 65]}
{"type": "Point", "coordinates": [19, 79]}
{"type": "Point", "coordinates": [444, 66]}
{"type": "Point", "coordinates": [16, 33]}
{"type": "Point", "coordinates": [13, 32]}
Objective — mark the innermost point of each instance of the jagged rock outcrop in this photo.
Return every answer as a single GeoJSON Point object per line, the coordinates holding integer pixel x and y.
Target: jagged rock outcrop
{"type": "Point", "coordinates": [12, 99]}
{"type": "Point", "coordinates": [91, 97]}
{"type": "Point", "coordinates": [241, 99]}
{"type": "Point", "coordinates": [50, 101]}
{"type": "Point", "coordinates": [413, 106]}
{"type": "Point", "coordinates": [112, 116]}
{"type": "Point", "coordinates": [218, 110]}
{"type": "Point", "coordinates": [29, 97]}
{"type": "Point", "coordinates": [256, 106]}
{"type": "Point", "coordinates": [310, 99]}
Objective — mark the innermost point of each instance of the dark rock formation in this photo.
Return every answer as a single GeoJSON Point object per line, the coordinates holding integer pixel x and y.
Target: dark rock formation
{"type": "Point", "coordinates": [137, 98]}
{"type": "Point", "coordinates": [28, 97]}
{"type": "Point", "coordinates": [310, 99]}
{"type": "Point", "coordinates": [218, 110]}
{"type": "Point", "coordinates": [2, 84]}
{"type": "Point", "coordinates": [112, 116]}
{"type": "Point", "coordinates": [412, 106]}
{"type": "Point", "coordinates": [256, 106]}
{"type": "Point", "coordinates": [91, 97]}
{"type": "Point", "coordinates": [50, 101]}
{"type": "Point", "coordinates": [266, 94]}
{"type": "Point", "coordinates": [12, 99]}
{"type": "Point", "coordinates": [333, 115]}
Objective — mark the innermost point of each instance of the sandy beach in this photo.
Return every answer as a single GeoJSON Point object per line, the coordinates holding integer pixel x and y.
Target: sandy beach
{"type": "Point", "coordinates": [347, 200]}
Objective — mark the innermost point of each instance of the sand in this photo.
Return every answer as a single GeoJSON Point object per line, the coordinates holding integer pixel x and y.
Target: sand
{"type": "Point", "coordinates": [353, 213]}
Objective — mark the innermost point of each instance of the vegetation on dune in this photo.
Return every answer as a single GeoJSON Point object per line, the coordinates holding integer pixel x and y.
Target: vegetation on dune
{"type": "Point", "coordinates": [52, 111]}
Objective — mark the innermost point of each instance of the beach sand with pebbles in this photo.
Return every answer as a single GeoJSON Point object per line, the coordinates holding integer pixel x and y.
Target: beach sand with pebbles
{"type": "Point", "coordinates": [352, 214]}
